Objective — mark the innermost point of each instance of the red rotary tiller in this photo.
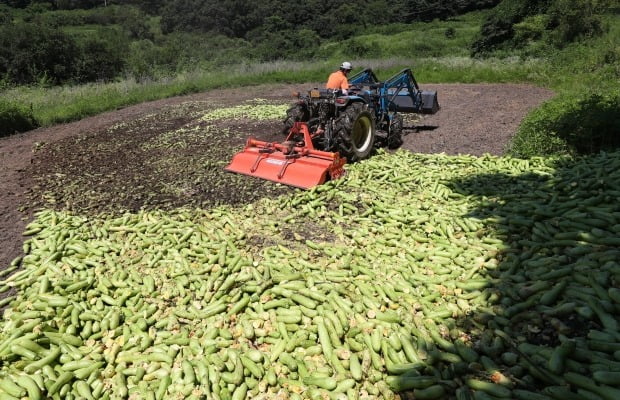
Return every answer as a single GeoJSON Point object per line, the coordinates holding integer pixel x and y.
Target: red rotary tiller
{"type": "Point", "coordinates": [294, 162]}
{"type": "Point", "coordinates": [326, 128]}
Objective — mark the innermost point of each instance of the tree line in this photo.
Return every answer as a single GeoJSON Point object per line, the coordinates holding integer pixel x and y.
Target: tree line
{"type": "Point", "coordinates": [327, 19]}
{"type": "Point", "coordinates": [62, 41]}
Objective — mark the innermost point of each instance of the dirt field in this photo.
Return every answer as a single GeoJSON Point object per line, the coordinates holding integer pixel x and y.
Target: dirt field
{"type": "Point", "coordinates": [163, 154]}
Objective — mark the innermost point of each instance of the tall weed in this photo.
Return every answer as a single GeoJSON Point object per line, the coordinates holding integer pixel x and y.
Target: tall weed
{"type": "Point", "coordinates": [15, 118]}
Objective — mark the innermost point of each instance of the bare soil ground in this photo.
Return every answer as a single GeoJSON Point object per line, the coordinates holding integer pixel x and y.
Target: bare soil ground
{"type": "Point", "coordinates": [161, 154]}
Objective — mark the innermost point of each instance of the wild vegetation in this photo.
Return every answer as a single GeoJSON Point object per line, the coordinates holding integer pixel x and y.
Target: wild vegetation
{"type": "Point", "coordinates": [584, 66]}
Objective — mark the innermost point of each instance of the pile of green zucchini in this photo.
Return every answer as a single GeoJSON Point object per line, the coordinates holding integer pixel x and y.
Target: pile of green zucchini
{"type": "Point", "coordinates": [415, 276]}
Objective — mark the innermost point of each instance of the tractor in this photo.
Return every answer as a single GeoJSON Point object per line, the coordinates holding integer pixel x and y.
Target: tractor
{"type": "Point", "coordinates": [326, 128]}
{"type": "Point", "coordinates": [369, 116]}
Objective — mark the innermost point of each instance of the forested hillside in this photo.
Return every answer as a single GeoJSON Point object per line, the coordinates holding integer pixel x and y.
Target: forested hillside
{"type": "Point", "coordinates": [81, 41]}
{"type": "Point", "coordinates": [140, 50]}
{"type": "Point", "coordinates": [330, 20]}
{"type": "Point", "coordinates": [70, 41]}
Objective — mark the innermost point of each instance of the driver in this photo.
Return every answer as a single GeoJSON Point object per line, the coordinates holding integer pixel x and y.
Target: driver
{"type": "Point", "coordinates": [338, 79]}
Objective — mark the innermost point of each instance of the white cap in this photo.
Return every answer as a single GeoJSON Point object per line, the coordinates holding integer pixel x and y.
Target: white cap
{"type": "Point", "coordinates": [346, 65]}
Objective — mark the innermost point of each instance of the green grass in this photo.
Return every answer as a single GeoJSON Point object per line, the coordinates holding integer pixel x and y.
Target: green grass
{"type": "Point", "coordinates": [68, 103]}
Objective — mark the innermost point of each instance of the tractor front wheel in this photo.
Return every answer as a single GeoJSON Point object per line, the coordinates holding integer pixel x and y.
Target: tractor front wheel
{"type": "Point", "coordinates": [355, 133]}
{"type": "Point", "coordinates": [395, 134]}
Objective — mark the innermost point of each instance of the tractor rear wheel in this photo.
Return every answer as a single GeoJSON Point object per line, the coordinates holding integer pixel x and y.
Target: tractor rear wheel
{"type": "Point", "coordinates": [355, 129]}
{"type": "Point", "coordinates": [294, 114]}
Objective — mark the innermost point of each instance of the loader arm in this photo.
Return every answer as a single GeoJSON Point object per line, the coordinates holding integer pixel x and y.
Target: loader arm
{"type": "Point", "coordinates": [366, 76]}
{"type": "Point", "coordinates": [401, 84]}
{"type": "Point", "coordinates": [401, 93]}
{"type": "Point", "coordinates": [404, 77]}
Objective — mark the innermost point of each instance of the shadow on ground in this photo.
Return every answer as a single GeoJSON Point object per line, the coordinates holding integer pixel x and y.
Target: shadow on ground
{"type": "Point", "coordinates": [547, 319]}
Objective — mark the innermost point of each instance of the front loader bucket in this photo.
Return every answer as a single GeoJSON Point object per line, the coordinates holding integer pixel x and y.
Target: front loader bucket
{"type": "Point", "coordinates": [295, 166]}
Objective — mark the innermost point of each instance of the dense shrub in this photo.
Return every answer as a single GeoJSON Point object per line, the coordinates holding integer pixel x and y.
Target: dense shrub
{"type": "Point", "coordinates": [277, 39]}
{"type": "Point", "coordinates": [292, 45]}
{"type": "Point", "coordinates": [102, 56]}
{"type": "Point", "coordinates": [570, 20]}
{"type": "Point", "coordinates": [76, 4]}
{"type": "Point", "coordinates": [333, 20]}
{"type": "Point", "coordinates": [15, 118]}
{"type": "Point", "coordinates": [532, 27]}
{"type": "Point", "coordinates": [30, 53]}
{"type": "Point", "coordinates": [514, 22]}
{"type": "Point", "coordinates": [114, 14]}
{"type": "Point", "coordinates": [57, 19]}
{"type": "Point", "coordinates": [144, 59]}
{"type": "Point", "coordinates": [570, 125]}
{"type": "Point", "coordinates": [180, 51]}
{"type": "Point", "coordinates": [5, 14]}
{"type": "Point", "coordinates": [498, 31]}
{"type": "Point", "coordinates": [18, 3]}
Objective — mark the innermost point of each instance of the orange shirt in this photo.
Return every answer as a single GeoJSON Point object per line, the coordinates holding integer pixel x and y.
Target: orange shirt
{"type": "Point", "coordinates": [337, 80]}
